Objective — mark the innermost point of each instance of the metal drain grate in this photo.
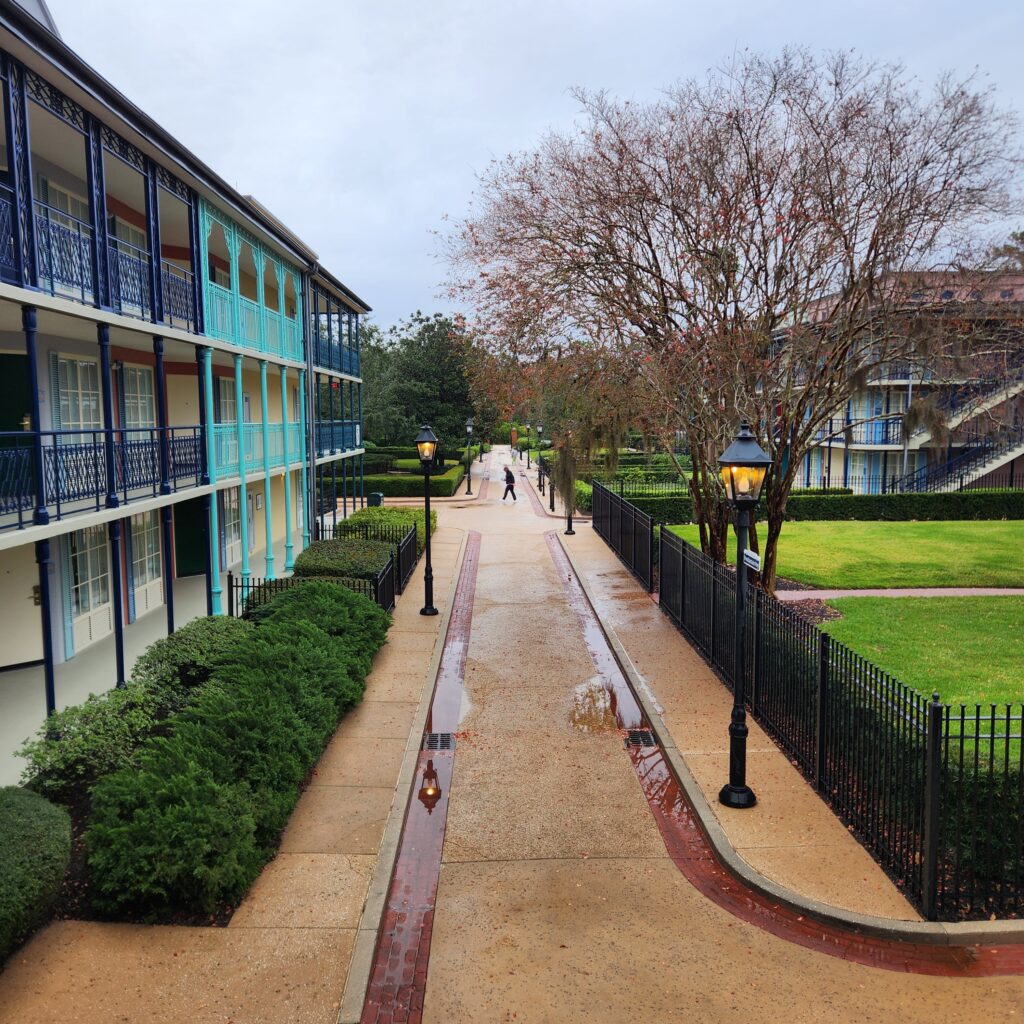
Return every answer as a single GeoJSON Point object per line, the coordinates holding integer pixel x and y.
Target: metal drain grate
{"type": "Point", "coordinates": [438, 741]}
{"type": "Point", "coordinates": [641, 738]}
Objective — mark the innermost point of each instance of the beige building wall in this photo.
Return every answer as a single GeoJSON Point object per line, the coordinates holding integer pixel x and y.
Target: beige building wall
{"type": "Point", "coordinates": [21, 637]}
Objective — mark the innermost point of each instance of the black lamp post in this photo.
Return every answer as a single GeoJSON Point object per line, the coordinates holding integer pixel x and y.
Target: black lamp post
{"type": "Point", "coordinates": [527, 445]}
{"type": "Point", "coordinates": [540, 470]}
{"type": "Point", "coordinates": [426, 446]}
{"type": "Point", "coordinates": [469, 457]}
{"type": "Point", "coordinates": [744, 466]}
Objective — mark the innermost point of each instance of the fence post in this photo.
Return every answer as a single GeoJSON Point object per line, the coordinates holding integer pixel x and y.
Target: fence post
{"type": "Point", "coordinates": [755, 661]}
{"type": "Point", "coordinates": [231, 594]}
{"type": "Point", "coordinates": [822, 719]}
{"type": "Point", "coordinates": [932, 808]}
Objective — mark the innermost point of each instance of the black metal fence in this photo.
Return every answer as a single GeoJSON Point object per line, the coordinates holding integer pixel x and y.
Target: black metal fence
{"type": "Point", "coordinates": [627, 531]}
{"type": "Point", "coordinates": [246, 594]}
{"type": "Point", "coordinates": [935, 793]}
{"type": "Point", "coordinates": [403, 539]}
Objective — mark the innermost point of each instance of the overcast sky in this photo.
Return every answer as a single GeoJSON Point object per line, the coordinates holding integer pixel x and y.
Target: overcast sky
{"type": "Point", "coordinates": [361, 123]}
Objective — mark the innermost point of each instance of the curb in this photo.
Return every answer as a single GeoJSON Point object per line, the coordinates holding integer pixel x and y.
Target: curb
{"type": "Point", "coordinates": [577, 517]}
{"type": "Point", "coordinates": [967, 933]}
{"type": "Point", "coordinates": [365, 946]}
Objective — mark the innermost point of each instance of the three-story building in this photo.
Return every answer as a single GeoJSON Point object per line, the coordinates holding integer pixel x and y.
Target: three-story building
{"type": "Point", "coordinates": [179, 383]}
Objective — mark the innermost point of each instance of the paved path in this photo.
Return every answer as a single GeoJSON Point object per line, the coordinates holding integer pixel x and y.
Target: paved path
{"type": "Point", "coordinates": [832, 595]}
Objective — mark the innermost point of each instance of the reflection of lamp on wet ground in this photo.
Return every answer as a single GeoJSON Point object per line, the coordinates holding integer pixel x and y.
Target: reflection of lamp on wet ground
{"type": "Point", "coordinates": [430, 789]}
{"type": "Point", "coordinates": [744, 465]}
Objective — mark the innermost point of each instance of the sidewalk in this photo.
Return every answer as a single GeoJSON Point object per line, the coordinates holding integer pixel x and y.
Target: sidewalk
{"type": "Point", "coordinates": [286, 952]}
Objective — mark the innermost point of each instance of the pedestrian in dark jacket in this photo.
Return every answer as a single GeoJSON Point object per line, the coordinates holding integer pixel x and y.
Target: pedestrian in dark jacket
{"type": "Point", "coordinates": [510, 485]}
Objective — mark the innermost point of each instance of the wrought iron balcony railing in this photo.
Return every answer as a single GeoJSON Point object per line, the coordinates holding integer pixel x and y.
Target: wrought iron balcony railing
{"type": "Point", "coordinates": [887, 431]}
{"type": "Point", "coordinates": [178, 287]}
{"type": "Point", "coordinates": [129, 279]}
{"type": "Point", "coordinates": [225, 446]}
{"type": "Point", "coordinates": [336, 436]}
{"type": "Point", "coordinates": [75, 474]}
{"type": "Point", "coordinates": [331, 354]}
{"type": "Point", "coordinates": [8, 258]}
{"type": "Point", "coordinates": [63, 253]}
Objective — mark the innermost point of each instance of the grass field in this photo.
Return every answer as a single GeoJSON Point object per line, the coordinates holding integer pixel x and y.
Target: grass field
{"type": "Point", "coordinates": [851, 555]}
{"type": "Point", "coordinates": [969, 649]}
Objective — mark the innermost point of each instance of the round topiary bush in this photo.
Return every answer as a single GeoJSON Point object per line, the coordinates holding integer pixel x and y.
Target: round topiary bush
{"type": "Point", "coordinates": [35, 848]}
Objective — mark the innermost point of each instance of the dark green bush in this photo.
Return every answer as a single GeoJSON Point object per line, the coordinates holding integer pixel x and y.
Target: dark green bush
{"type": "Point", "coordinates": [78, 746]}
{"type": "Point", "coordinates": [899, 507]}
{"type": "Point", "coordinates": [176, 664]}
{"type": "Point", "coordinates": [391, 516]}
{"type": "Point", "coordinates": [415, 466]}
{"type": "Point", "coordinates": [442, 485]}
{"type": "Point", "coordinates": [190, 828]}
{"type": "Point", "coordinates": [35, 849]}
{"type": "Point", "coordinates": [350, 557]}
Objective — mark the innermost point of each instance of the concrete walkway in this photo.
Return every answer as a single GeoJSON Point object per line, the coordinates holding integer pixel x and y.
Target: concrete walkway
{"type": "Point", "coordinates": [557, 899]}
{"type": "Point", "coordinates": [832, 595]}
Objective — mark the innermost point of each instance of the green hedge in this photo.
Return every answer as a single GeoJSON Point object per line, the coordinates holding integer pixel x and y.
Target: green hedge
{"type": "Point", "coordinates": [190, 827]}
{"type": "Point", "coordinates": [350, 557]}
{"type": "Point", "coordinates": [584, 496]}
{"type": "Point", "coordinates": [77, 746]}
{"type": "Point", "coordinates": [899, 507]}
{"type": "Point", "coordinates": [35, 849]}
{"type": "Point", "coordinates": [414, 465]}
{"type": "Point", "coordinates": [391, 516]}
{"type": "Point", "coordinates": [442, 485]}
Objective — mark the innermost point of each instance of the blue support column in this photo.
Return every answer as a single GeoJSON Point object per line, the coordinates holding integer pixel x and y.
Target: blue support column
{"type": "Point", "coordinates": [44, 561]}
{"type": "Point", "coordinates": [289, 547]}
{"type": "Point", "coordinates": [318, 414]}
{"type": "Point", "coordinates": [213, 566]}
{"type": "Point", "coordinates": [98, 212]}
{"type": "Point", "coordinates": [195, 254]}
{"type": "Point", "coordinates": [41, 515]}
{"type": "Point", "coordinates": [308, 506]}
{"type": "Point", "coordinates": [268, 519]}
{"type": "Point", "coordinates": [168, 550]}
{"type": "Point", "coordinates": [359, 439]}
{"type": "Point", "coordinates": [107, 388]}
{"type": "Point", "coordinates": [161, 416]}
{"type": "Point", "coordinates": [19, 163]}
{"type": "Point", "coordinates": [117, 592]}
{"type": "Point", "coordinates": [334, 499]}
{"type": "Point", "coordinates": [243, 495]}
{"type": "Point", "coordinates": [153, 233]}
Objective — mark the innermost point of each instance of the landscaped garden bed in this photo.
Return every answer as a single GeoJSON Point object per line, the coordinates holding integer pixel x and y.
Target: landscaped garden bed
{"type": "Point", "coordinates": [410, 484]}
{"type": "Point", "coordinates": [179, 785]}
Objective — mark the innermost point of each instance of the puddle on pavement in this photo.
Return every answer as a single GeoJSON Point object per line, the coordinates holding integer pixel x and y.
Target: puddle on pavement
{"type": "Point", "coordinates": [593, 706]}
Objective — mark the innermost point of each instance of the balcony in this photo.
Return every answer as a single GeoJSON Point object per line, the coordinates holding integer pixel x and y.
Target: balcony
{"type": "Point", "coordinates": [329, 354]}
{"type": "Point", "coordinates": [337, 436]}
{"type": "Point", "coordinates": [888, 431]}
{"type": "Point", "coordinates": [74, 469]}
{"type": "Point", "coordinates": [225, 446]}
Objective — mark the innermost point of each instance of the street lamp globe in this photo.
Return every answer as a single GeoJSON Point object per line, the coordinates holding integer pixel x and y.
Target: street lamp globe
{"type": "Point", "coordinates": [744, 465]}
{"type": "Point", "coordinates": [426, 445]}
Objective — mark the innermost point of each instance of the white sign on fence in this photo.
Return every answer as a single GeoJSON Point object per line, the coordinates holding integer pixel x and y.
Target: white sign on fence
{"type": "Point", "coordinates": [752, 560]}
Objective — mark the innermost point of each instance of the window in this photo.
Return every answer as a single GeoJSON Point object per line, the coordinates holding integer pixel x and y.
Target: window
{"type": "Point", "coordinates": [61, 199]}
{"type": "Point", "coordinates": [124, 232]}
{"type": "Point", "coordinates": [947, 294]}
{"type": "Point", "coordinates": [225, 411]}
{"type": "Point", "coordinates": [139, 404]}
{"type": "Point", "coordinates": [78, 394]}
{"type": "Point", "coordinates": [1006, 293]}
{"type": "Point", "coordinates": [90, 574]}
{"type": "Point", "coordinates": [145, 549]}
{"type": "Point", "coordinates": [232, 525]}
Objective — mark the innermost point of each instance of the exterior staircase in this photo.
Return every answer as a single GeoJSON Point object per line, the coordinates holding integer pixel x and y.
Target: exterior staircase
{"type": "Point", "coordinates": [968, 466]}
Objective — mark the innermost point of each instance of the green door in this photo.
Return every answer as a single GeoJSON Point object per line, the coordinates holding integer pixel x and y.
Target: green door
{"type": "Point", "coordinates": [15, 401]}
{"type": "Point", "coordinates": [190, 538]}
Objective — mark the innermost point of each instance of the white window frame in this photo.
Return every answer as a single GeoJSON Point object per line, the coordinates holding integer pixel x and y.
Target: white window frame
{"type": "Point", "coordinates": [147, 563]}
{"type": "Point", "coordinates": [232, 504]}
{"type": "Point", "coordinates": [139, 402]}
{"type": "Point", "coordinates": [90, 585]}
{"type": "Point", "coordinates": [70, 392]}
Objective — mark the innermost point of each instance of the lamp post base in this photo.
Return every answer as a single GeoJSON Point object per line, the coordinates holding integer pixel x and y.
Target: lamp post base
{"type": "Point", "coordinates": [428, 610]}
{"type": "Point", "coordinates": [737, 796]}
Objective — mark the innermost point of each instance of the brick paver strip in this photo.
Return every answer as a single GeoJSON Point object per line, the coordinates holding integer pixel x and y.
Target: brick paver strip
{"type": "Point", "coordinates": [399, 977]}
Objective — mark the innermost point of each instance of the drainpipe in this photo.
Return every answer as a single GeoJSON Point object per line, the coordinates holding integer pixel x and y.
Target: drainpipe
{"type": "Point", "coordinates": [268, 518]}
{"type": "Point", "coordinates": [289, 547]}
{"type": "Point", "coordinates": [308, 506]}
{"type": "Point", "coordinates": [243, 497]}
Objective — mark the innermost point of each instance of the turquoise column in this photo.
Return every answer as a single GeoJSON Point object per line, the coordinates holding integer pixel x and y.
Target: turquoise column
{"type": "Point", "coordinates": [289, 547]}
{"type": "Point", "coordinates": [307, 506]}
{"type": "Point", "coordinates": [211, 461]}
{"type": "Point", "coordinates": [268, 518]}
{"type": "Point", "coordinates": [243, 497]}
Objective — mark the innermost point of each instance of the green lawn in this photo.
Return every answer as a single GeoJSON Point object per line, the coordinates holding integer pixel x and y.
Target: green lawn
{"type": "Point", "coordinates": [850, 555]}
{"type": "Point", "coordinates": [969, 649]}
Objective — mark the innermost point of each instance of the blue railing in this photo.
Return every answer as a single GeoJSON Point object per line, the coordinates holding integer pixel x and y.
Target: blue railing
{"type": "Point", "coordinates": [179, 300]}
{"type": "Point", "coordinates": [330, 354]}
{"type": "Point", "coordinates": [881, 431]}
{"type": "Point", "coordinates": [336, 436]}
{"type": "Point", "coordinates": [129, 279]}
{"type": "Point", "coordinates": [8, 258]}
{"type": "Point", "coordinates": [74, 468]}
{"type": "Point", "coordinates": [63, 253]}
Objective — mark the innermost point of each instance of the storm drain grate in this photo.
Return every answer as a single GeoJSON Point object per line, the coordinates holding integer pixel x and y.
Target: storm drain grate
{"type": "Point", "coordinates": [438, 741]}
{"type": "Point", "coordinates": [641, 738]}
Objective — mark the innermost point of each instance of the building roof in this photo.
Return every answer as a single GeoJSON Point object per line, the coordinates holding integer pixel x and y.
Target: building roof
{"type": "Point", "coordinates": [39, 11]}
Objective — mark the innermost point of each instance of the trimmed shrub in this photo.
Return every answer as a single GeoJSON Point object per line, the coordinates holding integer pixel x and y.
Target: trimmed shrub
{"type": "Point", "coordinates": [415, 466]}
{"type": "Point", "coordinates": [350, 557]}
{"type": "Point", "coordinates": [391, 516]}
{"type": "Point", "coordinates": [191, 827]}
{"type": "Point", "coordinates": [980, 504]}
{"type": "Point", "coordinates": [176, 664]}
{"type": "Point", "coordinates": [584, 496]}
{"type": "Point", "coordinates": [442, 485]}
{"type": "Point", "coordinates": [35, 849]}
{"type": "Point", "coordinates": [76, 747]}
{"type": "Point", "coordinates": [79, 745]}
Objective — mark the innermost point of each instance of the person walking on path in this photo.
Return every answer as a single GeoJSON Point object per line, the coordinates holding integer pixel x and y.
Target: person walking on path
{"type": "Point", "coordinates": [510, 485]}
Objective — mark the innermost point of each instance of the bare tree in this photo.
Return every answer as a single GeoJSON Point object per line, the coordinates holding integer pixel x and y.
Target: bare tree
{"type": "Point", "coordinates": [743, 246]}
